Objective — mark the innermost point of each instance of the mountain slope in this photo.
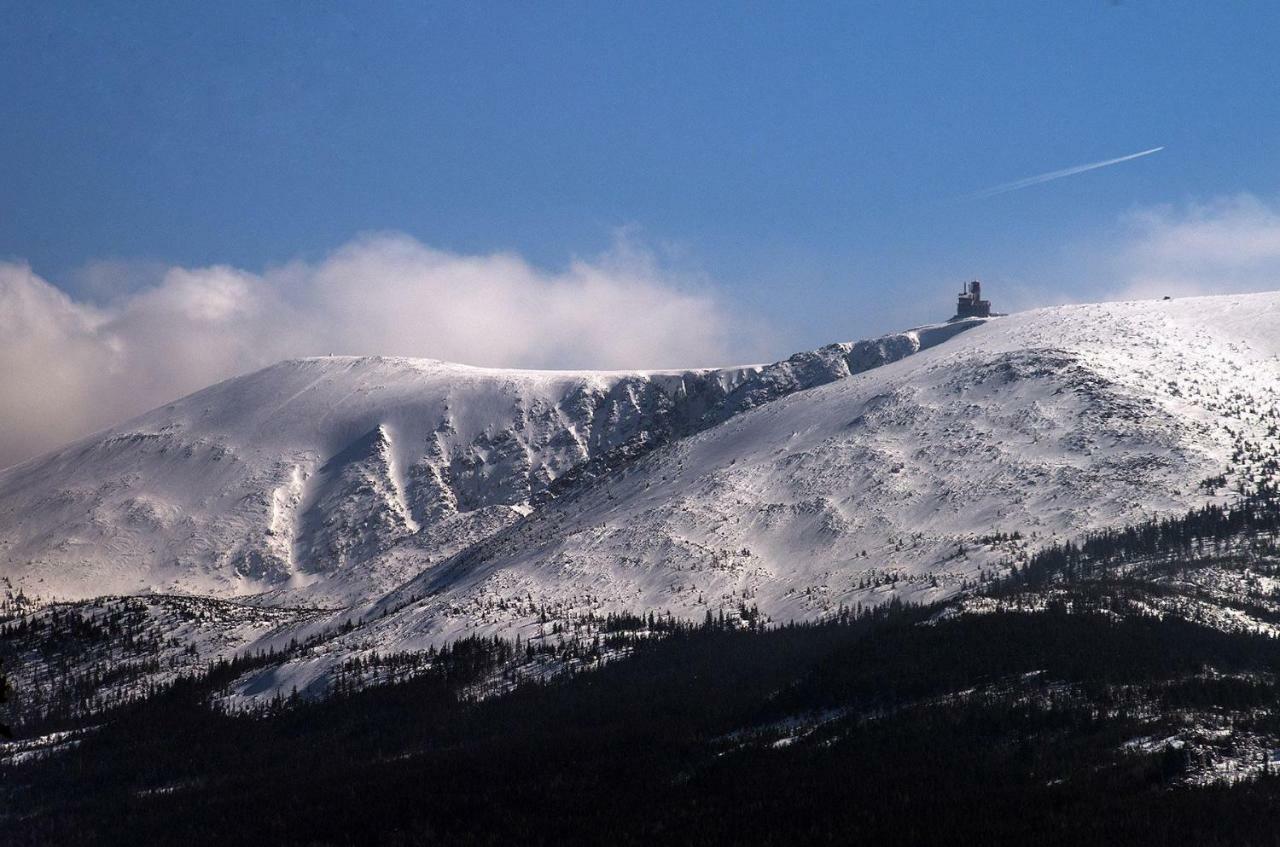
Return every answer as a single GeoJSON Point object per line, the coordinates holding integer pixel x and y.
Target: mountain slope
{"type": "Point", "coordinates": [1059, 705]}
{"type": "Point", "coordinates": [420, 501]}
{"type": "Point", "coordinates": [911, 479]}
{"type": "Point", "coordinates": [334, 479]}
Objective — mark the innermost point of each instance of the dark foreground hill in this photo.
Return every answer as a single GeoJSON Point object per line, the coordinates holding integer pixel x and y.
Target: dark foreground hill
{"type": "Point", "coordinates": [1059, 707]}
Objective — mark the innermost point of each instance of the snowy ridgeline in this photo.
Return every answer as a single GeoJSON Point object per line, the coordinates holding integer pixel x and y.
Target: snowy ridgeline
{"type": "Point", "coordinates": [422, 501]}
{"type": "Point", "coordinates": [335, 479]}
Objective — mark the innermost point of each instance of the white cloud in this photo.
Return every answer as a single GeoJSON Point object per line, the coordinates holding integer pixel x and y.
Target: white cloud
{"type": "Point", "coordinates": [68, 367]}
{"type": "Point", "coordinates": [1229, 245]}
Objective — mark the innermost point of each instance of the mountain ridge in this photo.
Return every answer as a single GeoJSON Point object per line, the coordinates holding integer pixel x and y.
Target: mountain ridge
{"type": "Point", "coordinates": [392, 518]}
{"type": "Point", "coordinates": [331, 445]}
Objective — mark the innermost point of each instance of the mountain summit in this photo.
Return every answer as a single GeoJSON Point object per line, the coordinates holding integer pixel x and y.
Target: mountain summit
{"type": "Point", "coordinates": [435, 500]}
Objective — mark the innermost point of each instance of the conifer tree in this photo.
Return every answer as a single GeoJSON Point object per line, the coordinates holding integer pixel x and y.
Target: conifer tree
{"type": "Point", "coordinates": [4, 698]}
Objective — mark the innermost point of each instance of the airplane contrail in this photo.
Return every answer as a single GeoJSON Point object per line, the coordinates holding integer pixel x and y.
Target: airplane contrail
{"type": "Point", "coordinates": [1052, 175]}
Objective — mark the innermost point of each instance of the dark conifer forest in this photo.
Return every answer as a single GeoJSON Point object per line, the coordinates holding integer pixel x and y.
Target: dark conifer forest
{"type": "Point", "coordinates": [1067, 713]}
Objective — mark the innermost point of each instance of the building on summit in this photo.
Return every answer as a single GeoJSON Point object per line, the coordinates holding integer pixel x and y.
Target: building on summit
{"type": "Point", "coordinates": [971, 304]}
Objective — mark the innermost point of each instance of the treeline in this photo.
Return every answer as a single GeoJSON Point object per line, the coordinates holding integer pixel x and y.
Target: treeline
{"type": "Point", "coordinates": [1210, 526]}
{"type": "Point", "coordinates": [564, 648]}
{"type": "Point", "coordinates": [1001, 728]}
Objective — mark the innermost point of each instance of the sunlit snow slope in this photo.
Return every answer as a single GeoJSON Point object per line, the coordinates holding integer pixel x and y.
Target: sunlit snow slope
{"type": "Point", "coordinates": [353, 505]}
{"type": "Point", "coordinates": [905, 479]}
{"type": "Point", "coordinates": [333, 479]}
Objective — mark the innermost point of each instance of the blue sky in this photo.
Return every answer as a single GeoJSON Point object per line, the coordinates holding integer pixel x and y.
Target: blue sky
{"type": "Point", "coordinates": [799, 154]}
{"type": "Point", "coordinates": [809, 165]}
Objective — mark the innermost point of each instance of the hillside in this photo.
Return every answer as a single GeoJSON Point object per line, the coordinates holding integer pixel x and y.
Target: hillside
{"type": "Point", "coordinates": [386, 505]}
{"type": "Point", "coordinates": [1058, 707]}
{"type": "Point", "coordinates": [913, 479]}
{"type": "Point", "coordinates": [334, 479]}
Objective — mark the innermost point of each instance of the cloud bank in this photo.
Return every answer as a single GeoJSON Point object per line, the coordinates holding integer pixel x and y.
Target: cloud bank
{"type": "Point", "coordinates": [1229, 245]}
{"type": "Point", "coordinates": [148, 334]}
{"type": "Point", "coordinates": [69, 367]}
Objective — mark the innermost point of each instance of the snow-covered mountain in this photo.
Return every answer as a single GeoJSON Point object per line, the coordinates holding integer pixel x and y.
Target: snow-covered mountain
{"type": "Point", "coordinates": [911, 475]}
{"type": "Point", "coordinates": [429, 500]}
{"type": "Point", "coordinates": [335, 479]}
